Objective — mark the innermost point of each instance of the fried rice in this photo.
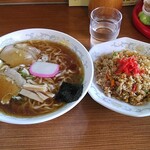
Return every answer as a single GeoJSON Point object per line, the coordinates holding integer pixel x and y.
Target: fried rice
{"type": "Point", "coordinates": [124, 75]}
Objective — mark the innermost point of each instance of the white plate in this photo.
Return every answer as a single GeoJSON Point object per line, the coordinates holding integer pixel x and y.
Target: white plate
{"type": "Point", "coordinates": [97, 94]}
{"type": "Point", "coordinates": [55, 36]}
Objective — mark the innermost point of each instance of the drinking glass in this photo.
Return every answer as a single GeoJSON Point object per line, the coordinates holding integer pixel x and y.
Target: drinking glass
{"type": "Point", "coordinates": [104, 24]}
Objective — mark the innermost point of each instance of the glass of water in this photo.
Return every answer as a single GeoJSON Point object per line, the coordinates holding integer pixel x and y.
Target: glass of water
{"type": "Point", "coordinates": [104, 24]}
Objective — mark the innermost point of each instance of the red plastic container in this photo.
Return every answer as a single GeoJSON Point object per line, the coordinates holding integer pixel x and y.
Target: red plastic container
{"type": "Point", "coordinates": [145, 30]}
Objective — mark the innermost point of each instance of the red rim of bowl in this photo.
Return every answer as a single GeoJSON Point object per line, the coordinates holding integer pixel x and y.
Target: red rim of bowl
{"type": "Point", "coordinates": [145, 30]}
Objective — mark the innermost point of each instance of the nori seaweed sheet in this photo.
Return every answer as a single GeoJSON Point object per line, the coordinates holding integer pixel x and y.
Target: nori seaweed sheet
{"type": "Point", "coordinates": [69, 92]}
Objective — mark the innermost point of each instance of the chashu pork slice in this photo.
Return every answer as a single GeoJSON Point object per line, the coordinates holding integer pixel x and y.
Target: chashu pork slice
{"type": "Point", "coordinates": [11, 83]}
{"type": "Point", "coordinates": [8, 89]}
{"type": "Point", "coordinates": [17, 54]}
{"type": "Point", "coordinates": [15, 76]}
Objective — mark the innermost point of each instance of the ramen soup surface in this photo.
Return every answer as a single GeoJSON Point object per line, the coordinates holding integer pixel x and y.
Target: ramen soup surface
{"type": "Point", "coordinates": [70, 71]}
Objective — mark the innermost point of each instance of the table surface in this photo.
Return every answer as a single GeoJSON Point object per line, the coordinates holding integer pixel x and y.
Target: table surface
{"type": "Point", "coordinates": [88, 125]}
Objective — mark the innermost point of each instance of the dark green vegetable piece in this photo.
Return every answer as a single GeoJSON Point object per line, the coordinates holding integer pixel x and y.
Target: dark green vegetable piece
{"type": "Point", "coordinates": [69, 92]}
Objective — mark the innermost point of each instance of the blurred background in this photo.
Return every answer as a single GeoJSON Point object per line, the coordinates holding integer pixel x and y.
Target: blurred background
{"type": "Point", "coordinates": [69, 2]}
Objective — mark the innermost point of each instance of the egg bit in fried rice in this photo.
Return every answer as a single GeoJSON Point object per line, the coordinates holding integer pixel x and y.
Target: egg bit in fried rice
{"type": "Point", "coordinates": [124, 75]}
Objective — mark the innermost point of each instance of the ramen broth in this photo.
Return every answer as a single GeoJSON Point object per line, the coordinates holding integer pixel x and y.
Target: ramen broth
{"type": "Point", "coordinates": [70, 70]}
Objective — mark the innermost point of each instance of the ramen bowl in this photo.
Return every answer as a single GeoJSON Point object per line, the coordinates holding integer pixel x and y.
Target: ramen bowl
{"type": "Point", "coordinates": [57, 37]}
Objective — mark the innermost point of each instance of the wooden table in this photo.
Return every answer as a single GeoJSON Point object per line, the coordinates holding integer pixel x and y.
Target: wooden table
{"type": "Point", "coordinates": [89, 125]}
